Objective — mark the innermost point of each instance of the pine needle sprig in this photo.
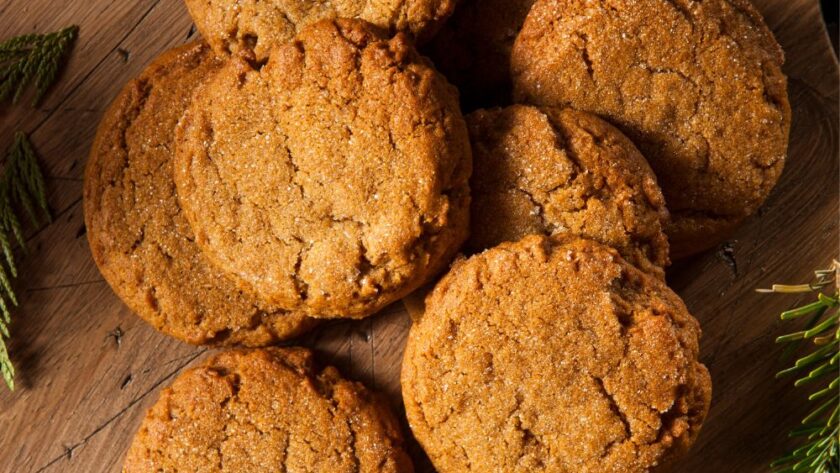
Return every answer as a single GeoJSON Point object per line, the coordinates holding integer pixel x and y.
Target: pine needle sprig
{"type": "Point", "coordinates": [21, 187]}
{"type": "Point", "coordinates": [33, 58]}
{"type": "Point", "coordinates": [820, 339]}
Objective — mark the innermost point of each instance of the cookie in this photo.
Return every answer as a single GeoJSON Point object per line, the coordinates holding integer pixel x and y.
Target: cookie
{"type": "Point", "coordinates": [333, 179]}
{"type": "Point", "coordinates": [260, 25]}
{"type": "Point", "coordinates": [698, 87]}
{"type": "Point", "coordinates": [473, 48]}
{"type": "Point", "coordinates": [553, 354]}
{"type": "Point", "coordinates": [138, 236]}
{"type": "Point", "coordinates": [267, 410]}
{"type": "Point", "coordinates": [559, 171]}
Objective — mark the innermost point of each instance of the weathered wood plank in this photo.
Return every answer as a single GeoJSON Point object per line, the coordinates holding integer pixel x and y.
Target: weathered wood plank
{"type": "Point", "coordinates": [103, 25]}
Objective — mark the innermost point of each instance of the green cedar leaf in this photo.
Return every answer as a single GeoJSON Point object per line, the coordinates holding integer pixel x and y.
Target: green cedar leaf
{"type": "Point", "coordinates": [33, 59]}
{"type": "Point", "coordinates": [821, 451]}
{"type": "Point", "coordinates": [22, 188]}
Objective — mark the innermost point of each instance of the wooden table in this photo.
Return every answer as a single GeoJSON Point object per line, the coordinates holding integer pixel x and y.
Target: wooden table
{"type": "Point", "coordinates": [89, 369]}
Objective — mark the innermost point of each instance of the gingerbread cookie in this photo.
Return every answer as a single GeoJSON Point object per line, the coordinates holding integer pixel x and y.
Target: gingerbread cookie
{"type": "Point", "coordinates": [698, 86]}
{"type": "Point", "coordinates": [260, 25]}
{"type": "Point", "coordinates": [136, 230]}
{"type": "Point", "coordinates": [333, 179]}
{"type": "Point", "coordinates": [553, 354]}
{"type": "Point", "coordinates": [560, 171]}
{"type": "Point", "coordinates": [267, 410]}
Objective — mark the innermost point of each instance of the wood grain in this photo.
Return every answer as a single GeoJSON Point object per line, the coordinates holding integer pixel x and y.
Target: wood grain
{"type": "Point", "coordinates": [88, 368]}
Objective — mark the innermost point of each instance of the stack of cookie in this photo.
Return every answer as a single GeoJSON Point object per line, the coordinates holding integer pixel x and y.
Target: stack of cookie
{"type": "Point", "coordinates": [305, 162]}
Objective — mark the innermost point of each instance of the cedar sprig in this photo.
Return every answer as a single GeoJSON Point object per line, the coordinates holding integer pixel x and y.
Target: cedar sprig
{"type": "Point", "coordinates": [33, 58]}
{"type": "Point", "coordinates": [820, 341]}
{"type": "Point", "coordinates": [21, 188]}
{"type": "Point", "coordinates": [26, 60]}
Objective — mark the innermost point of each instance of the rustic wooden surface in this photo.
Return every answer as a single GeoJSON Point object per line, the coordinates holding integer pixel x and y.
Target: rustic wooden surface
{"type": "Point", "coordinates": [89, 369]}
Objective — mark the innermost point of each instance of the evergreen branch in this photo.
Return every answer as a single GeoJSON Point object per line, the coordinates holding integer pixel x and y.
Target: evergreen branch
{"type": "Point", "coordinates": [26, 60]}
{"type": "Point", "coordinates": [33, 59]}
{"type": "Point", "coordinates": [821, 426]}
{"type": "Point", "coordinates": [21, 186]}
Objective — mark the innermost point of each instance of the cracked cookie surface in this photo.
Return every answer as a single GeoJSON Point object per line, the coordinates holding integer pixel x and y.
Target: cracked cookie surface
{"type": "Point", "coordinates": [333, 179]}
{"type": "Point", "coordinates": [260, 25]}
{"type": "Point", "coordinates": [138, 236]}
{"type": "Point", "coordinates": [553, 354]}
{"type": "Point", "coordinates": [267, 410]}
{"type": "Point", "coordinates": [697, 86]}
{"type": "Point", "coordinates": [472, 49]}
{"type": "Point", "coordinates": [560, 171]}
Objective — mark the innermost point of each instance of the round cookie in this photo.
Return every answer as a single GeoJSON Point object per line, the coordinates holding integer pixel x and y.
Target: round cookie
{"type": "Point", "coordinates": [136, 231]}
{"type": "Point", "coordinates": [555, 171]}
{"type": "Point", "coordinates": [260, 25]}
{"type": "Point", "coordinates": [267, 410]}
{"type": "Point", "coordinates": [472, 49]}
{"type": "Point", "coordinates": [698, 87]}
{"type": "Point", "coordinates": [553, 354]}
{"type": "Point", "coordinates": [333, 179]}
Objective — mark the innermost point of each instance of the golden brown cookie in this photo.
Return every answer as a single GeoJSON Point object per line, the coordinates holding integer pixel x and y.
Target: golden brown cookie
{"type": "Point", "coordinates": [553, 354]}
{"type": "Point", "coordinates": [698, 87]}
{"type": "Point", "coordinates": [231, 26]}
{"type": "Point", "coordinates": [473, 48]}
{"type": "Point", "coordinates": [267, 410]}
{"type": "Point", "coordinates": [137, 233]}
{"type": "Point", "coordinates": [334, 179]}
{"type": "Point", "coordinates": [560, 171]}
